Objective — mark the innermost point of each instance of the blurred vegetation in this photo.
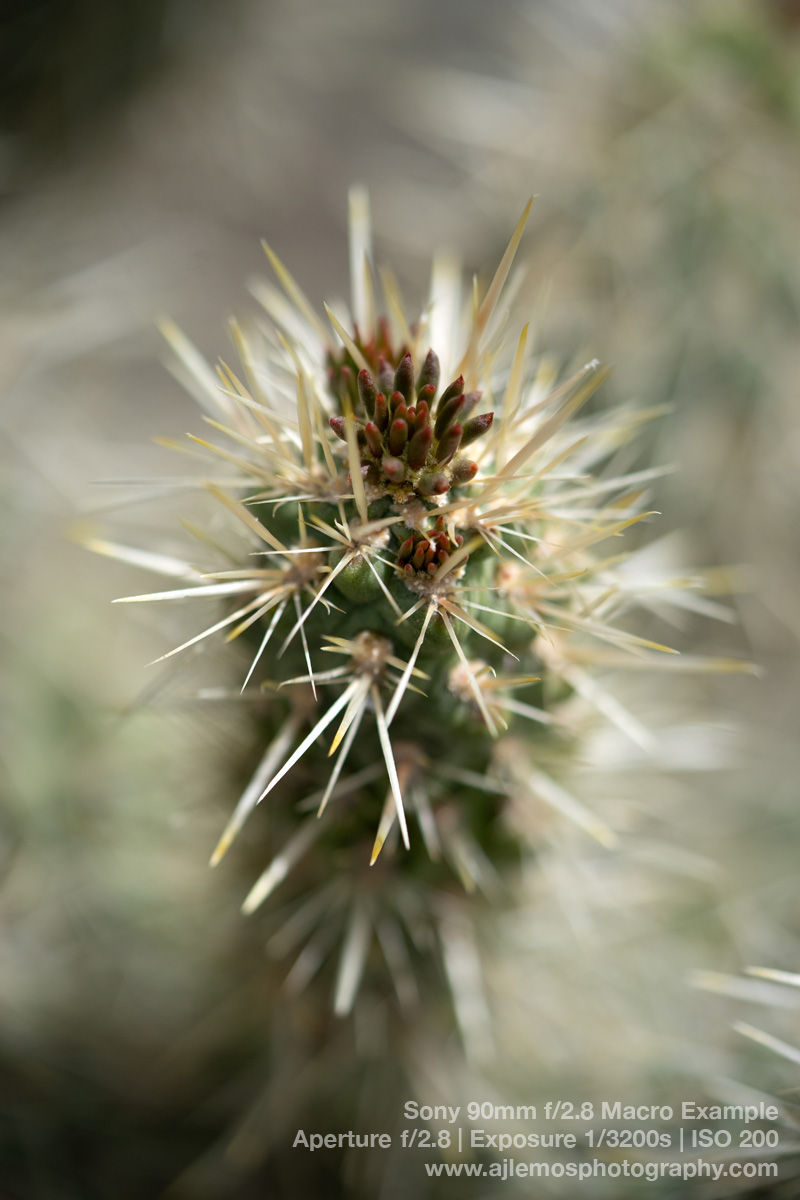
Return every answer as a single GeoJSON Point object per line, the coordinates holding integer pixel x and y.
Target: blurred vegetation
{"type": "Point", "coordinates": [135, 999]}
{"type": "Point", "coordinates": [675, 250]}
{"type": "Point", "coordinates": [68, 66]}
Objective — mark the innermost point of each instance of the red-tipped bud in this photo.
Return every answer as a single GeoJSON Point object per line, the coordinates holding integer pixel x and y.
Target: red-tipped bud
{"type": "Point", "coordinates": [449, 444]}
{"type": "Point", "coordinates": [448, 413]}
{"type": "Point", "coordinates": [398, 436]}
{"type": "Point", "coordinates": [406, 549]}
{"type": "Point", "coordinates": [418, 557]}
{"type": "Point", "coordinates": [429, 375]}
{"type": "Point", "coordinates": [401, 412]}
{"type": "Point", "coordinates": [367, 391]}
{"type": "Point", "coordinates": [339, 428]}
{"type": "Point", "coordinates": [404, 378]}
{"type": "Point", "coordinates": [425, 397]}
{"type": "Point", "coordinates": [394, 469]}
{"type": "Point", "coordinates": [422, 417]}
{"type": "Point", "coordinates": [463, 472]}
{"type": "Point", "coordinates": [418, 448]}
{"type": "Point", "coordinates": [455, 389]}
{"type": "Point", "coordinates": [381, 411]}
{"type": "Point", "coordinates": [395, 400]}
{"type": "Point", "coordinates": [409, 570]}
{"type": "Point", "coordinates": [433, 484]}
{"type": "Point", "coordinates": [476, 427]}
{"type": "Point", "coordinates": [373, 436]}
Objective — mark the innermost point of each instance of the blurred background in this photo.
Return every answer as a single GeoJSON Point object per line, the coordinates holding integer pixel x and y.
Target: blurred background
{"type": "Point", "coordinates": [145, 147]}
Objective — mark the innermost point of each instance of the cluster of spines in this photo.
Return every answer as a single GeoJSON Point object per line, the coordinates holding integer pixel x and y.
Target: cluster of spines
{"type": "Point", "coordinates": [405, 435]}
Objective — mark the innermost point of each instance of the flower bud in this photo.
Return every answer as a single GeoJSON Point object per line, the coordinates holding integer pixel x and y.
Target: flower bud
{"type": "Point", "coordinates": [394, 469]}
{"type": "Point", "coordinates": [404, 378]}
{"type": "Point", "coordinates": [429, 375]}
{"type": "Point", "coordinates": [463, 471]}
{"type": "Point", "coordinates": [476, 427]}
{"type": "Point", "coordinates": [425, 397]}
{"type": "Point", "coordinates": [367, 391]}
{"type": "Point", "coordinates": [449, 444]}
{"type": "Point", "coordinates": [373, 436]}
{"type": "Point", "coordinates": [418, 448]}
{"type": "Point", "coordinates": [406, 549]}
{"type": "Point", "coordinates": [455, 389]}
{"type": "Point", "coordinates": [434, 483]}
{"type": "Point", "coordinates": [448, 413]}
{"type": "Point", "coordinates": [381, 411]}
{"type": "Point", "coordinates": [398, 436]}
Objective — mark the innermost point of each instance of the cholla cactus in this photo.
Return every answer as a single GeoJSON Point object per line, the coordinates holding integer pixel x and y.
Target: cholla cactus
{"type": "Point", "coordinates": [427, 592]}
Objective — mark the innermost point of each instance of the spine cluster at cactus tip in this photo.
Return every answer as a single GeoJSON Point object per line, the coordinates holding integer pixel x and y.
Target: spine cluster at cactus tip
{"type": "Point", "coordinates": [421, 572]}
